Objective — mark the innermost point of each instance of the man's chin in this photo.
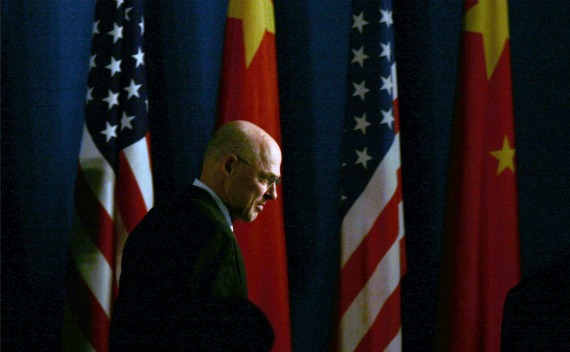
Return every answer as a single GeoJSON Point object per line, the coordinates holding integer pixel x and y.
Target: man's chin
{"type": "Point", "coordinates": [249, 217]}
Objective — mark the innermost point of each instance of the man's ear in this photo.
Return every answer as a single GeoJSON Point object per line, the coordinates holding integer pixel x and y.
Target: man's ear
{"type": "Point", "coordinates": [230, 164]}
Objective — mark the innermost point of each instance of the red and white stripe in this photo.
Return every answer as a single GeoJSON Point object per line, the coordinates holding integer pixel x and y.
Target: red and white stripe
{"type": "Point", "coordinates": [372, 246]}
{"type": "Point", "coordinates": [107, 207]}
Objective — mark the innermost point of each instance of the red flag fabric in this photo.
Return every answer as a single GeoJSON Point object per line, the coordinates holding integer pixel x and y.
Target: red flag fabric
{"type": "Point", "coordinates": [481, 254]}
{"type": "Point", "coordinates": [114, 187]}
{"type": "Point", "coordinates": [372, 250]}
{"type": "Point", "coordinates": [249, 91]}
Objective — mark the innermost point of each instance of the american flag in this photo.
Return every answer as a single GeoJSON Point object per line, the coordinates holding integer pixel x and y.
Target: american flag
{"type": "Point", "coordinates": [372, 230]}
{"type": "Point", "coordinates": [114, 182]}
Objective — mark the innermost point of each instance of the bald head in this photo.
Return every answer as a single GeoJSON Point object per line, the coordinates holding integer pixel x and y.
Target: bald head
{"type": "Point", "coordinates": [239, 160]}
{"type": "Point", "coordinates": [237, 137]}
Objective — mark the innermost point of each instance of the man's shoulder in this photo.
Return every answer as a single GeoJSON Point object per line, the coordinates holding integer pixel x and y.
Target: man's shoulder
{"type": "Point", "coordinates": [195, 201]}
{"type": "Point", "coordinates": [551, 279]}
{"type": "Point", "coordinates": [191, 208]}
{"type": "Point", "coordinates": [188, 220]}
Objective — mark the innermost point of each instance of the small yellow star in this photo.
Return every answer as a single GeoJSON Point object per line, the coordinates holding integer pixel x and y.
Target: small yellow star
{"type": "Point", "coordinates": [491, 19]}
{"type": "Point", "coordinates": [506, 157]}
{"type": "Point", "coordinates": [256, 16]}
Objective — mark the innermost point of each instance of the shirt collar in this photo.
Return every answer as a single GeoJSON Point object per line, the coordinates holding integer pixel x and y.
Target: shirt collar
{"type": "Point", "coordinates": [219, 202]}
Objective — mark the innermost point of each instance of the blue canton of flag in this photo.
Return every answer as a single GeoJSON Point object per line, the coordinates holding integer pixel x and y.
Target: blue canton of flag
{"type": "Point", "coordinates": [372, 230]}
{"type": "Point", "coordinates": [116, 102]}
{"type": "Point", "coordinates": [370, 126]}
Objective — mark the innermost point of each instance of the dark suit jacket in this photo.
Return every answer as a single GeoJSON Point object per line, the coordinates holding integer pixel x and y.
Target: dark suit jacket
{"type": "Point", "coordinates": [537, 311]}
{"type": "Point", "coordinates": [183, 284]}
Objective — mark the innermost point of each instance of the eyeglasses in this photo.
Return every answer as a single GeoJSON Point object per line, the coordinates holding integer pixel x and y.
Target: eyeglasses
{"type": "Point", "coordinates": [269, 180]}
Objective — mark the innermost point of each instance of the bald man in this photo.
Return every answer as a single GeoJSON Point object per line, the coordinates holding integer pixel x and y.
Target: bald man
{"type": "Point", "coordinates": [183, 284]}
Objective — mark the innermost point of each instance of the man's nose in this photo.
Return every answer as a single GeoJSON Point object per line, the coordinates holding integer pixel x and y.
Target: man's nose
{"type": "Point", "coordinates": [271, 192]}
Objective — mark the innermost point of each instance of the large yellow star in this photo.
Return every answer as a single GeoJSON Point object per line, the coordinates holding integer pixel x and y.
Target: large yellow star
{"type": "Point", "coordinates": [256, 16]}
{"type": "Point", "coordinates": [490, 18]}
{"type": "Point", "coordinates": [506, 157]}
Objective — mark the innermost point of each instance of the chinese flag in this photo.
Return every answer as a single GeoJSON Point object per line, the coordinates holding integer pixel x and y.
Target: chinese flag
{"type": "Point", "coordinates": [481, 255]}
{"type": "Point", "coordinates": [248, 91]}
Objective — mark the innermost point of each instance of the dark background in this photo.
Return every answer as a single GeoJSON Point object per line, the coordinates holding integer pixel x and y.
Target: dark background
{"type": "Point", "coordinates": [45, 56]}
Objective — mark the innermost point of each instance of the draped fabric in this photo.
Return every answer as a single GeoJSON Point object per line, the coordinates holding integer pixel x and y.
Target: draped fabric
{"type": "Point", "coordinates": [114, 189]}
{"type": "Point", "coordinates": [372, 252]}
{"type": "Point", "coordinates": [481, 250]}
